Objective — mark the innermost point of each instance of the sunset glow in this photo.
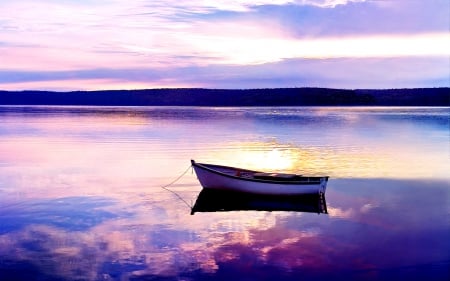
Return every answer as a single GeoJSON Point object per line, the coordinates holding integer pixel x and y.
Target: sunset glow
{"type": "Point", "coordinates": [113, 44]}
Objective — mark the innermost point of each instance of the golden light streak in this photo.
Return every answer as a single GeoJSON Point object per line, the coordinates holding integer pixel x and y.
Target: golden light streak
{"type": "Point", "coordinates": [396, 162]}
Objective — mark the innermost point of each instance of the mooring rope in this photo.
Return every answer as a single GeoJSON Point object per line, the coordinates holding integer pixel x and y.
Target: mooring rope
{"type": "Point", "coordinates": [173, 192]}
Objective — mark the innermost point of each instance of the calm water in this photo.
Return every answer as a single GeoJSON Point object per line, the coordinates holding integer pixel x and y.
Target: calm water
{"type": "Point", "coordinates": [81, 196]}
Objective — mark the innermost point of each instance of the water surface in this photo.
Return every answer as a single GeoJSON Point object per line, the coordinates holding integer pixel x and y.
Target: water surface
{"type": "Point", "coordinates": [81, 196]}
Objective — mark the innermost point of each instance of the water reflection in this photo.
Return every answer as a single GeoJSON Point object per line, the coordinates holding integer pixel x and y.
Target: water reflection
{"type": "Point", "coordinates": [80, 195]}
{"type": "Point", "coordinates": [376, 229]}
{"type": "Point", "coordinates": [210, 200]}
{"type": "Point", "coordinates": [70, 213]}
{"type": "Point", "coordinates": [340, 142]}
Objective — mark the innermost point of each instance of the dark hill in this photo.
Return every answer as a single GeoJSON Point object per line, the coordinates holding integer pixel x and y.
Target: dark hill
{"type": "Point", "coordinates": [220, 97]}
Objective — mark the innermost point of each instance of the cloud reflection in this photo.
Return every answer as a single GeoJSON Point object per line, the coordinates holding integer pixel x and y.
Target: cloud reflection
{"type": "Point", "coordinates": [366, 241]}
{"type": "Point", "coordinates": [86, 183]}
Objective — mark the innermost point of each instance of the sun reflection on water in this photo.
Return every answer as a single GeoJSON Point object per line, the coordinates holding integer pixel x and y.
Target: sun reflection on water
{"type": "Point", "coordinates": [383, 161]}
{"type": "Point", "coordinates": [83, 200]}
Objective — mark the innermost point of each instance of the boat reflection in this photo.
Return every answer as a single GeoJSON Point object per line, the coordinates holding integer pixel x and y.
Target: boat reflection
{"type": "Point", "coordinates": [215, 200]}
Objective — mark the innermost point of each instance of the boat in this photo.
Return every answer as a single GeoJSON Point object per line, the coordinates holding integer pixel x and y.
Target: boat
{"type": "Point", "coordinates": [213, 176]}
{"type": "Point", "coordinates": [218, 200]}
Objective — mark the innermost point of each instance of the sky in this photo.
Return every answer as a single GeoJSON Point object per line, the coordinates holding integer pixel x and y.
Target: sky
{"type": "Point", "coordinates": [236, 44]}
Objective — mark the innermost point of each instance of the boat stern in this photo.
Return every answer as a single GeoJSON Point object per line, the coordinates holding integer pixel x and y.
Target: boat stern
{"type": "Point", "coordinates": [323, 184]}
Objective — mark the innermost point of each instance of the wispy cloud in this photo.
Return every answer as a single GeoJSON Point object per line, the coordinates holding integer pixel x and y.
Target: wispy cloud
{"type": "Point", "coordinates": [76, 37]}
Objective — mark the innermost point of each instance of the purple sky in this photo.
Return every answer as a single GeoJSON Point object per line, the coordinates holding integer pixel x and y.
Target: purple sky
{"type": "Point", "coordinates": [114, 44]}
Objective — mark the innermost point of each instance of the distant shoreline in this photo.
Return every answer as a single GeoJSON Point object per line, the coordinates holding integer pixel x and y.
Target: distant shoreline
{"type": "Point", "coordinates": [223, 97]}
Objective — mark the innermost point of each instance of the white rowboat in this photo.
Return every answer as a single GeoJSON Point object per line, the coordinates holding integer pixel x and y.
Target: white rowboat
{"type": "Point", "coordinates": [243, 180]}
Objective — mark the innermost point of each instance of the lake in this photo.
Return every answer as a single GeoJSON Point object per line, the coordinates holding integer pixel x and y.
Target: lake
{"type": "Point", "coordinates": [82, 197]}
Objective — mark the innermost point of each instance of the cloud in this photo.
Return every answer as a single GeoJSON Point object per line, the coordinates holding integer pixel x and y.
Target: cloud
{"type": "Point", "coordinates": [49, 41]}
{"type": "Point", "coordinates": [326, 3]}
{"type": "Point", "coordinates": [361, 19]}
{"type": "Point", "coordinates": [206, 7]}
{"type": "Point", "coordinates": [334, 73]}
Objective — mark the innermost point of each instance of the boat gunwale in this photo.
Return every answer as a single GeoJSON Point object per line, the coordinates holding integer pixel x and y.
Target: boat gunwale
{"type": "Point", "coordinates": [204, 166]}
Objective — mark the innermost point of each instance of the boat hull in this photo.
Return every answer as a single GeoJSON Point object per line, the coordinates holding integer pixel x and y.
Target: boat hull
{"type": "Point", "coordinates": [227, 178]}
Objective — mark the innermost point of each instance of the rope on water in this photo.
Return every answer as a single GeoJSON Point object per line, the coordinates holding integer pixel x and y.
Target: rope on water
{"type": "Point", "coordinates": [173, 192]}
